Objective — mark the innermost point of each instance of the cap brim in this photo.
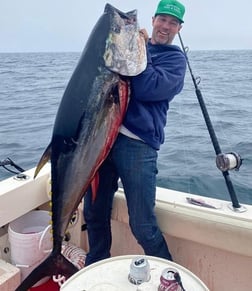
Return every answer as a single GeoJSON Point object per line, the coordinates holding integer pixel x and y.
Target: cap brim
{"type": "Point", "coordinates": [181, 21]}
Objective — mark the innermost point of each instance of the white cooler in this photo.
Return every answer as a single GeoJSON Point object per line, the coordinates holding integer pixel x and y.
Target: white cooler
{"type": "Point", "coordinates": [112, 275]}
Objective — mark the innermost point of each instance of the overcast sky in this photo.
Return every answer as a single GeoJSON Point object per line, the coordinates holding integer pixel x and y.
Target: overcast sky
{"type": "Point", "coordinates": [64, 25]}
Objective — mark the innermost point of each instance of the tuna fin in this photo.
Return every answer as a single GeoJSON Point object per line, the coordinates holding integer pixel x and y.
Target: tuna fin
{"type": "Point", "coordinates": [53, 265]}
{"type": "Point", "coordinates": [94, 186]}
{"type": "Point", "coordinates": [43, 160]}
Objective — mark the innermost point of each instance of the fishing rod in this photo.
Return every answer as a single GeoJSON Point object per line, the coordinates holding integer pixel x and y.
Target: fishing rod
{"type": "Point", "coordinates": [224, 162]}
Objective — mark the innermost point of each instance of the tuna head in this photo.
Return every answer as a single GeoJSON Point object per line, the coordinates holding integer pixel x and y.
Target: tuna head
{"type": "Point", "coordinates": [125, 51]}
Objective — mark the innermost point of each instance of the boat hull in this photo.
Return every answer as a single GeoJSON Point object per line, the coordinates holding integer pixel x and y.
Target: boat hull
{"type": "Point", "coordinates": [214, 244]}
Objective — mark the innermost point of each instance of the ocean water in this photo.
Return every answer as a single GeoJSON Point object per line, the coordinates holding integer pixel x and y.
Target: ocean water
{"type": "Point", "coordinates": [32, 85]}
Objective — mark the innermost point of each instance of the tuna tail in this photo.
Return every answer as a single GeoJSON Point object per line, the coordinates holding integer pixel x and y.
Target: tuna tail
{"type": "Point", "coordinates": [55, 264]}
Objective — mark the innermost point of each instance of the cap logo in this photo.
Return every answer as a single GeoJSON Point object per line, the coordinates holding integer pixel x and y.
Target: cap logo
{"type": "Point", "coordinates": [172, 8]}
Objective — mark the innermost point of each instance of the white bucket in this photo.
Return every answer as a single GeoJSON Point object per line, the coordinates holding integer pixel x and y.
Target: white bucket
{"type": "Point", "coordinates": [30, 241]}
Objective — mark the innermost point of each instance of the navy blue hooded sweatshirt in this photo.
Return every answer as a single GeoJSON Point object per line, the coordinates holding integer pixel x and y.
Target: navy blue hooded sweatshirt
{"type": "Point", "coordinates": [152, 90]}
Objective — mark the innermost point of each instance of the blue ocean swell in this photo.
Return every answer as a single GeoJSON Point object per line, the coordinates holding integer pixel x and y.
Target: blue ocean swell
{"type": "Point", "coordinates": [32, 86]}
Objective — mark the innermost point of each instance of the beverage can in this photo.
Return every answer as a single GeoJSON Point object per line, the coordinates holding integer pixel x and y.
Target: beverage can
{"type": "Point", "coordinates": [168, 281]}
{"type": "Point", "coordinates": [139, 271]}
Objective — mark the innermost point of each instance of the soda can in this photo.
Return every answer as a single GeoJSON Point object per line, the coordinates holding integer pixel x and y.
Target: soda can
{"type": "Point", "coordinates": [168, 281]}
{"type": "Point", "coordinates": [139, 271]}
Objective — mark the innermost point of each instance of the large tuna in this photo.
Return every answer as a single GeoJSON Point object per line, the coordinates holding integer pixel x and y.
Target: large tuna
{"type": "Point", "coordinates": [87, 123]}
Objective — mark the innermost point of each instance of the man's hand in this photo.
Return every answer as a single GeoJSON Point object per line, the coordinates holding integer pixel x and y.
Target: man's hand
{"type": "Point", "coordinates": [143, 32]}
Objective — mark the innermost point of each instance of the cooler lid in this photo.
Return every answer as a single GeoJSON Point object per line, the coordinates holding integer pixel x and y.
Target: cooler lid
{"type": "Point", "coordinates": [112, 274]}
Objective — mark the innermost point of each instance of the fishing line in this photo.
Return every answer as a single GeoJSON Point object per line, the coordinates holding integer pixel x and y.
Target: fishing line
{"type": "Point", "coordinates": [224, 162]}
{"type": "Point", "coordinates": [185, 170]}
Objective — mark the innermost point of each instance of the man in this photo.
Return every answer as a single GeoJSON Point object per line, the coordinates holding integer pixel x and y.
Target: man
{"type": "Point", "coordinates": [133, 157]}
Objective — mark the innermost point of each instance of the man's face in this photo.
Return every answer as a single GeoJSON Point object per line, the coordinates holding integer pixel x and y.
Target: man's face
{"type": "Point", "coordinates": [165, 27]}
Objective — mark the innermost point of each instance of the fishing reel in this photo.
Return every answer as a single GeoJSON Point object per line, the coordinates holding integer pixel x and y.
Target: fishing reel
{"type": "Point", "coordinates": [229, 161]}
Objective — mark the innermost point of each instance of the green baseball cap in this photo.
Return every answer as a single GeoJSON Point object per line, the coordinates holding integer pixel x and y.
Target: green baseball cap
{"type": "Point", "coordinates": [171, 7]}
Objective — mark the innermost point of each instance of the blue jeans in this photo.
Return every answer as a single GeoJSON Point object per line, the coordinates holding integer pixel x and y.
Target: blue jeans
{"type": "Point", "coordinates": [136, 164]}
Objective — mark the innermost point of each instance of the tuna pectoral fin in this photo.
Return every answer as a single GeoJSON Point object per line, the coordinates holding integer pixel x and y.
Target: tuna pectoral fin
{"type": "Point", "coordinates": [53, 265]}
{"type": "Point", "coordinates": [43, 160]}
